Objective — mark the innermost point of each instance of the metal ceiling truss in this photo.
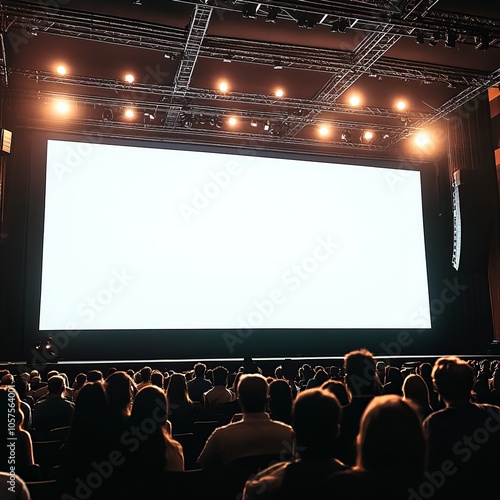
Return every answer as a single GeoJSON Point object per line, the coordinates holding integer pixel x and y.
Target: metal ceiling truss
{"type": "Point", "coordinates": [196, 97]}
{"type": "Point", "coordinates": [171, 41]}
{"type": "Point", "coordinates": [4, 80]}
{"type": "Point", "coordinates": [372, 47]}
{"type": "Point", "coordinates": [279, 118]}
{"type": "Point", "coordinates": [197, 31]}
{"type": "Point", "coordinates": [384, 23]}
{"type": "Point", "coordinates": [370, 16]}
{"type": "Point", "coordinates": [453, 104]}
{"type": "Point", "coordinates": [213, 137]}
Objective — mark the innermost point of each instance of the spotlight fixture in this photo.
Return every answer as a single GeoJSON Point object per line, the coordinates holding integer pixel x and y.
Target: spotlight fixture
{"type": "Point", "coordinates": [367, 137]}
{"type": "Point", "coordinates": [253, 123]}
{"type": "Point", "coordinates": [323, 131]}
{"type": "Point", "coordinates": [61, 70]}
{"type": "Point", "coordinates": [232, 121]}
{"type": "Point", "coordinates": [277, 64]}
{"type": "Point", "coordinates": [223, 87]}
{"type": "Point", "coordinates": [346, 136]}
{"type": "Point", "coordinates": [307, 21]}
{"type": "Point", "coordinates": [227, 58]}
{"type": "Point", "coordinates": [170, 56]}
{"type": "Point", "coordinates": [354, 100]}
{"type": "Point", "coordinates": [267, 126]}
{"type": "Point", "coordinates": [249, 11]}
{"type": "Point", "coordinates": [342, 25]}
{"type": "Point", "coordinates": [450, 39]}
{"type": "Point", "coordinates": [279, 93]}
{"type": "Point", "coordinates": [107, 115]}
{"type": "Point", "coordinates": [272, 14]}
{"type": "Point", "coordinates": [129, 78]}
{"type": "Point", "coordinates": [61, 106]}
{"type": "Point", "coordinates": [422, 139]}
{"type": "Point", "coordinates": [420, 37]}
{"type": "Point", "coordinates": [46, 349]}
{"type": "Point", "coordinates": [401, 105]}
{"type": "Point", "coordinates": [129, 113]}
{"type": "Point", "coordinates": [434, 39]}
{"type": "Point", "coordinates": [218, 122]}
{"type": "Point", "coordinates": [339, 25]}
{"type": "Point", "coordinates": [482, 42]}
{"type": "Point", "coordinates": [384, 139]}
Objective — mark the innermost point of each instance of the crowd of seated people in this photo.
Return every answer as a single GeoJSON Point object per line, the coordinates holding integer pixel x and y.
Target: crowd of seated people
{"type": "Point", "coordinates": [363, 429]}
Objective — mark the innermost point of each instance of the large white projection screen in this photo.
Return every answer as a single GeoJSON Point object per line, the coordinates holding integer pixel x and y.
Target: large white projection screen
{"type": "Point", "coordinates": [143, 238]}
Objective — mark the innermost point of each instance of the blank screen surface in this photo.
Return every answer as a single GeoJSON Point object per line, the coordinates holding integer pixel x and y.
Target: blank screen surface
{"type": "Point", "coordinates": [144, 238]}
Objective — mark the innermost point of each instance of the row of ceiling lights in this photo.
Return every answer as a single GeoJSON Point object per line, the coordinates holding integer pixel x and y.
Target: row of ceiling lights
{"type": "Point", "coordinates": [188, 120]}
{"type": "Point", "coordinates": [223, 87]}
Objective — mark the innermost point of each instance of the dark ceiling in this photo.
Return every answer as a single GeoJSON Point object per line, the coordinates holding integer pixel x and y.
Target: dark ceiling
{"type": "Point", "coordinates": [179, 51]}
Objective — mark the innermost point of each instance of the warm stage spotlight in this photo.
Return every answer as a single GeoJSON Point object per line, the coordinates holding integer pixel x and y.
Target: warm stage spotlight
{"type": "Point", "coordinates": [223, 87]}
{"type": "Point", "coordinates": [232, 121]}
{"type": "Point", "coordinates": [61, 70]}
{"type": "Point", "coordinates": [401, 105]}
{"type": "Point", "coordinates": [129, 78]}
{"type": "Point", "coordinates": [129, 113]}
{"type": "Point", "coordinates": [280, 93]}
{"type": "Point", "coordinates": [62, 107]}
{"type": "Point", "coordinates": [354, 100]}
{"type": "Point", "coordinates": [323, 131]}
{"type": "Point", "coordinates": [422, 139]}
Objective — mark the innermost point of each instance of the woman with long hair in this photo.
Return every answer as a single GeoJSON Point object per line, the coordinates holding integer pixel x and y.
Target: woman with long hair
{"type": "Point", "coordinates": [391, 453]}
{"type": "Point", "coordinates": [182, 411]}
{"type": "Point", "coordinates": [156, 451]}
{"type": "Point", "coordinates": [90, 440]}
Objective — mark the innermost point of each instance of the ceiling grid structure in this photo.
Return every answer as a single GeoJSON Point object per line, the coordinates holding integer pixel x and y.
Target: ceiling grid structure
{"type": "Point", "coordinates": [319, 52]}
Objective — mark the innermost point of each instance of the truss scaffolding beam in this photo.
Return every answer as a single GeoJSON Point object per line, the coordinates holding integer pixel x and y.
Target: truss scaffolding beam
{"type": "Point", "coordinates": [195, 98]}
{"type": "Point", "coordinates": [171, 41]}
{"type": "Point", "coordinates": [197, 31]}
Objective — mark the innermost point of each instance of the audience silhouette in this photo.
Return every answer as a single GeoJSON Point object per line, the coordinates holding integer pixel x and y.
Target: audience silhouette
{"type": "Point", "coordinates": [436, 433]}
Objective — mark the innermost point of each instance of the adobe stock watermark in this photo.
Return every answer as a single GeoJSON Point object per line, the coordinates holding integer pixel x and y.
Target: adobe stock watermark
{"type": "Point", "coordinates": [291, 280]}
{"type": "Point", "coordinates": [17, 40]}
{"type": "Point", "coordinates": [87, 309]}
{"type": "Point", "coordinates": [404, 338]}
{"type": "Point", "coordinates": [463, 450]}
{"type": "Point", "coordinates": [130, 442]}
{"type": "Point", "coordinates": [202, 198]}
{"type": "Point", "coordinates": [75, 154]}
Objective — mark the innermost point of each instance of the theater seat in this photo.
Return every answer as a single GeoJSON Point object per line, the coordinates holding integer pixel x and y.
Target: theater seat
{"type": "Point", "coordinates": [44, 490]}
{"type": "Point", "coordinates": [236, 473]}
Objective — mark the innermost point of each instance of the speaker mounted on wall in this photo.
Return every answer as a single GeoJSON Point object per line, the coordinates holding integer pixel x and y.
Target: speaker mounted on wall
{"type": "Point", "coordinates": [5, 141]}
{"type": "Point", "coordinates": [471, 216]}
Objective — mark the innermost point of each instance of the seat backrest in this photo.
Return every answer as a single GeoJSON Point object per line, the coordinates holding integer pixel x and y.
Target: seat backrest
{"type": "Point", "coordinates": [59, 433]}
{"type": "Point", "coordinates": [236, 473]}
{"type": "Point", "coordinates": [201, 432]}
{"type": "Point", "coordinates": [47, 455]}
{"type": "Point", "coordinates": [187, 443]}
{"type": "Point", "coordinates": [44, 490]}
